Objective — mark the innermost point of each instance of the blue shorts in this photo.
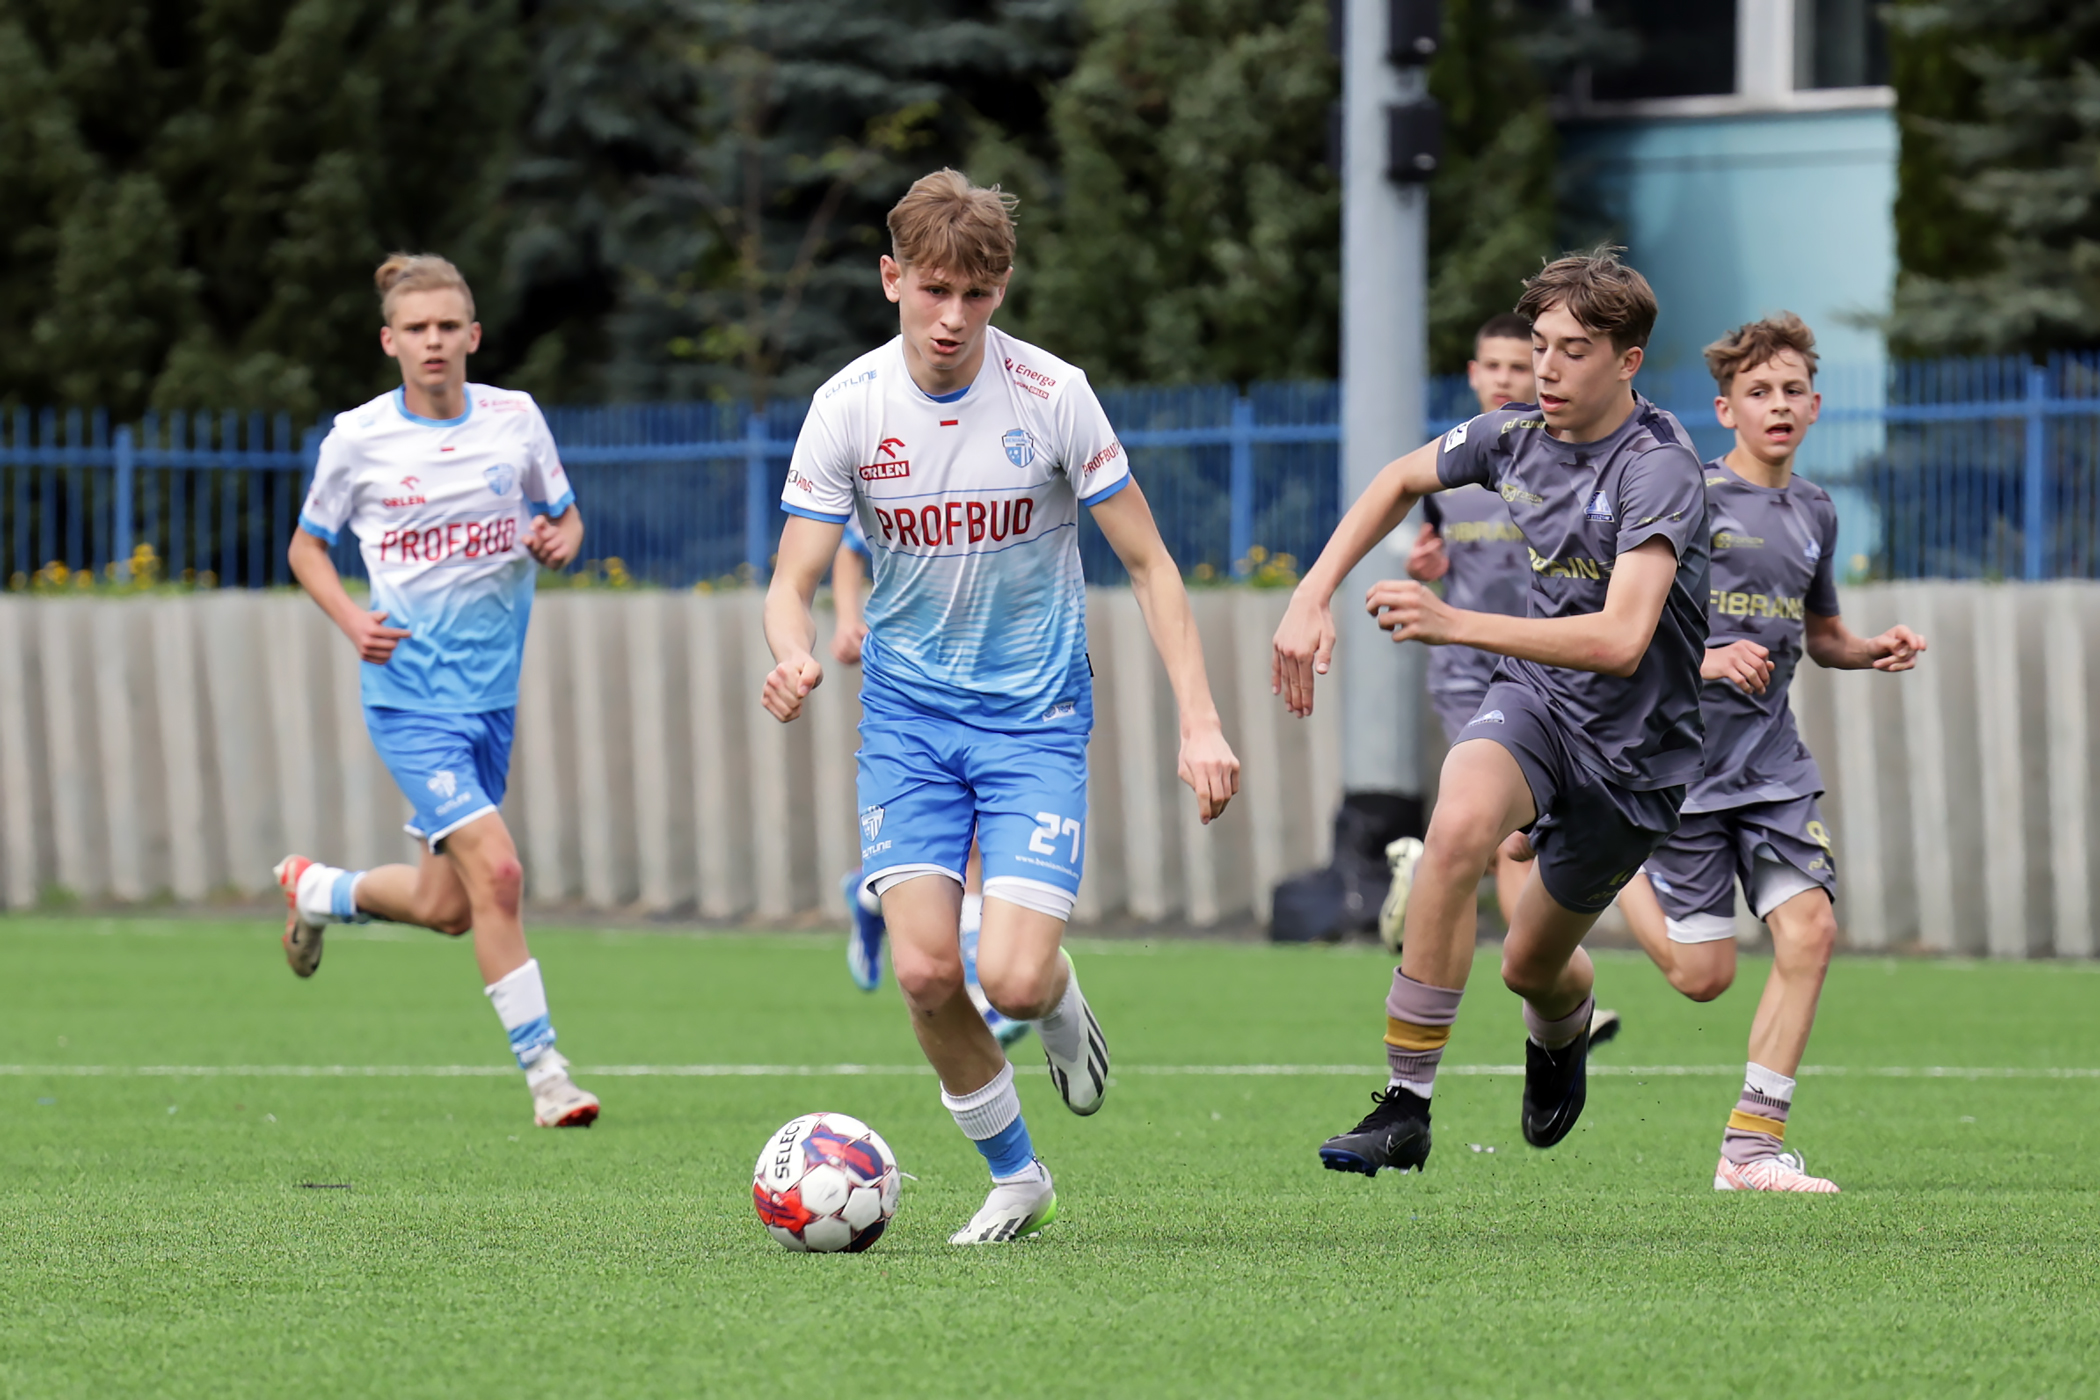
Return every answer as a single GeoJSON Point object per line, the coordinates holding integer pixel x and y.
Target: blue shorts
{"type": "Point", "coordinates": [928, 785]}
{"type": "Point", "coordinates": [451, 768]}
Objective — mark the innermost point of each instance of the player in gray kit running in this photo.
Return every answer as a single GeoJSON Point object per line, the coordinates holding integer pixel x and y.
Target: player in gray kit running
{"type": "Point", "coordinates": [1591, 729]}
{"type": "Point", "coordinates": [1753, 816]}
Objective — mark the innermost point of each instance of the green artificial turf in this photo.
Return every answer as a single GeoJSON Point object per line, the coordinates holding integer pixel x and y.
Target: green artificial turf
{"type": "Point", "coordinates": [161, 1237]}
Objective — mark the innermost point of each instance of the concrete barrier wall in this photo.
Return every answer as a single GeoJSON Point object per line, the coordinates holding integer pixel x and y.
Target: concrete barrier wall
{"type": "Point", "coordinates": [175, 747]}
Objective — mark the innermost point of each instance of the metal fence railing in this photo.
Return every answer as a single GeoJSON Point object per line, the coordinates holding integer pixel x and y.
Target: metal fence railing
{"type": "Point", "coordinates": [1942, 469]}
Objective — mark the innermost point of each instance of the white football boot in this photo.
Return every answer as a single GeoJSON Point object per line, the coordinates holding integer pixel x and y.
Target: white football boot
{"type": "Point", "coordinates": [1082, 1082]}
{"type": "Point", "coordinates": [1784, 1172]}
{"type": "Point", "coordinates": [1015, 1210]}
{"type": "Point", "coordinates": [556, 1101]}
{"type": "Point", "coordinates": [1401, 857]}
{"type": "Point", "coordinates": [302, 939]}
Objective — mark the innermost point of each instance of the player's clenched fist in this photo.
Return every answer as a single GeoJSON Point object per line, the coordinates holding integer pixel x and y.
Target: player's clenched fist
{"type": "Point", "coordinates": [1744, 664]}
{"type": "Point", "coordinates": [374, 640]}
{"type": "Point", "coordinates": [788, 684]}
{"type": "Point", "coordinates": [1411, 612]}
{"type": "Point", "coordinates": [1304, 647]}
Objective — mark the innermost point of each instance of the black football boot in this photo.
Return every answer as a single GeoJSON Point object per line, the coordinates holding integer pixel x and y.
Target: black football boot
{"type": "Point", "coordinates": [1395, 1134]}
{"type": "Point", "coordinates": [1556, 1084]}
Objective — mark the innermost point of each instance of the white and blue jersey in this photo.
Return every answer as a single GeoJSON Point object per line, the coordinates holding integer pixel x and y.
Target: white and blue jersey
{"type": "Point", "coordinates": [442, 510]}
{"type": "Point", "coordinates": [970, 505]}
{"type": "Point", "coordinates": [976, 694]}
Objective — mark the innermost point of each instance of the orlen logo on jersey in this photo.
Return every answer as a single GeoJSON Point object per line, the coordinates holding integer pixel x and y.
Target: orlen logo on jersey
{"type": "Point", "coordinates": [1034, 381]}
{"type": "Point", "coordinates": [448, 543]}
{"type": "Point", "coordinates": [957, 522]}
{"type": "Point", "coordinates": [410, 494]}
{"type": "Point", "coordinates": [890, 466]}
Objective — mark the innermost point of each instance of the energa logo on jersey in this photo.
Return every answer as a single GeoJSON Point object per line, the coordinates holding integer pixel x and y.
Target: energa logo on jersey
{"type": "Point", "coordinates": [443, 783]}
{"type": "Point", "coordinates": [501, 478]}
{"type": "Point", "coordinates": [1020, 447]}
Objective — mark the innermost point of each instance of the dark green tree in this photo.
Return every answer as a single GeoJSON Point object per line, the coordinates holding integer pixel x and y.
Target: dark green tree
{"type": "Point", "coordinates": [196, 192]}
{"type": "Point", "coordinates": [748, 269]}
{"type": "Point", "coordinates": [1189, 230]}
{"type": "Point", "coordinates": [1998, 185]}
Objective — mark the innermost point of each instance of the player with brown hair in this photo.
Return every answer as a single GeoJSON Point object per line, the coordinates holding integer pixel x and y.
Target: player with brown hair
{"type": "Point", "coordinates": [1753, 816]}
{"type": "Point", "coordinates": [1590, 731]}
{"type": "Point", "coordinates": [966, 455]}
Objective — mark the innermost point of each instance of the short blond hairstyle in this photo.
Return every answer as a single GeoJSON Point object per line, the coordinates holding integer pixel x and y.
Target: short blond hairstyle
{"type": "Point", "coordinates": [417, 272]}
{"type": "Point", "coordinates": [950, 225]}
{"type": "Point", "coordinates": [1759, 343]}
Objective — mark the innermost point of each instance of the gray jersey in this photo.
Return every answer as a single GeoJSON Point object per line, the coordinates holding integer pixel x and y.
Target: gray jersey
{"type": "Point", "coordinates": [1771, 565]}
{"type": "Point", "coordinates": [1490, 572]}
{"type": "Point", "coordinates": [1579, 506]}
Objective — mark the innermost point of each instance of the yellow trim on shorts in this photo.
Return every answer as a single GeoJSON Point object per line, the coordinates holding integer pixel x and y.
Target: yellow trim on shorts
{"type": "Point", "coordinates": [1754, 1123]}
{"type": "Point", "coordinates": [1404, 1035]}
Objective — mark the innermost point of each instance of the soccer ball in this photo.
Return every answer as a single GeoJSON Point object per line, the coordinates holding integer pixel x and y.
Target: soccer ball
{"type": "Point", "coordinates": [825, 1183]}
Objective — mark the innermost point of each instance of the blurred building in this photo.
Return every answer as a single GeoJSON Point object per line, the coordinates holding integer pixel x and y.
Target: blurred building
{"type": "Point", "coordinates": [1745, 151]}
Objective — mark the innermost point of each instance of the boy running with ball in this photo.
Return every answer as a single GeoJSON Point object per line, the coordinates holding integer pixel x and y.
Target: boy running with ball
{"type": "Point", "coordinates": [1753, 816]}
{"type": "Point", "coordinates": [1590, 730]}
{"type": "Point", "coordinates": [966, 455]}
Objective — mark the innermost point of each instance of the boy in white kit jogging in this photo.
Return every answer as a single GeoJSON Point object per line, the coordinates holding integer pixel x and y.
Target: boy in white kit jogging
{"type": "Point", "coordinates": [457, 498]}
{"type": "Point", "coordinates": [966, 455]}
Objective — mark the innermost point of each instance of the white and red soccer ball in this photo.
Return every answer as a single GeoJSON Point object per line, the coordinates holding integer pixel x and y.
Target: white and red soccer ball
{"type": "Point", "coordinates": [825, 1183]}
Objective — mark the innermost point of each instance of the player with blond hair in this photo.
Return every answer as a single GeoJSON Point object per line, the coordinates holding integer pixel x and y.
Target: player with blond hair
{"type": "Point", "coordinates": [1752, 818]}
{"type": "Point", "coordinates": [1590, 729]}
{"type": "Point", "coordinates": [457, 498]}
{"type": "Point", "coordinates": [966, 455]}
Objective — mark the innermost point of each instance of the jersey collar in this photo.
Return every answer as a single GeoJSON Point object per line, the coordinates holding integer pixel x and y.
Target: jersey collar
{"type": "Point", "coordinates": [401, 407]}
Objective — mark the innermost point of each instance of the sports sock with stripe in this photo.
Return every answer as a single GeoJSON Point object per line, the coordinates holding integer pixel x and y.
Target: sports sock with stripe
{"type": "Point", "coordinates": [327, 895]}
{"type": "Point", "coordinates": [520, 999]}
{"type": "Point", "coordinates": [1757, 1127]}
{"type": "Point", "coordinates": [1064, 1029]}
{"type": "Point", "coordinates": [1418, 1021]}
{"type": "Point", "coordinates": [991, 1118]}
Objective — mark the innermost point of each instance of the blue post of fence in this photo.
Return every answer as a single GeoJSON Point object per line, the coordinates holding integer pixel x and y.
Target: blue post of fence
{"type": "Point", "coordinates": [2035, 506]}
{"type": "Point", "coordinates": [120, 533]}
{"type": "Point", "coordinates": [755, 514]}
{"type": "Point", "coordinates": [1241, 531]}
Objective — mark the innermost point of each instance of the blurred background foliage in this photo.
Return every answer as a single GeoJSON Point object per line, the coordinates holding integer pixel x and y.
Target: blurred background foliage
{"type": "Point", "coordinates": [684, 198]}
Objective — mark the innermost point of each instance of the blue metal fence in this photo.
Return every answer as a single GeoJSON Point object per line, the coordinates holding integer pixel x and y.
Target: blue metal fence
{"type": "Point", "coordinates": [1945, 469]}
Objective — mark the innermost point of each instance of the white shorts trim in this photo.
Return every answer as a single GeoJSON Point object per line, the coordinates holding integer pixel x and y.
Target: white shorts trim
{"type": "Point", "coordinates": [1031, 894]}
{"type": "Point", "coordinates": [1701, 928]}
{"type": "Point", "coordinates": [1774, 882]}
{"type": "Point", "coordinates": [887, 879]}
{"type": "Point", "coordinates": [430, 843]}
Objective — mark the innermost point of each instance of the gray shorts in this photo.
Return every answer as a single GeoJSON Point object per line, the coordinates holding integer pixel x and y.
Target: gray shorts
{"type": "Point", "coordinates": [1777, 850]}
{"type": "Point", "coordinates": [1591, 834]}
{"type": "Point", "coordinates": [1456, 709]}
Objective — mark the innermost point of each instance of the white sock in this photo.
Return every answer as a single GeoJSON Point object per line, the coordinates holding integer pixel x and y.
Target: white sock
{"type": "Point", "coordinates": [520, 999]}
{"type": "Point", "coordinates": [327, 895]}
{"type": "Point", "coordinates": [972, 914]}
{"type": "Point", "coordinates": [1420, 1088]}
{"type": "Point", "coordinates": [1768, 1082]}
{"type": "Point", "coordinates": [1064, 1029]}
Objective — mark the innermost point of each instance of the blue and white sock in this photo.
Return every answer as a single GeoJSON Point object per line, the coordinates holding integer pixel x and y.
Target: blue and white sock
{"type": "Point", "coordinates": [520, 999]}
{"type": "Point", "coordinates": [991, 1118]}
{"type": "Point", "coordinates": [329, 896]}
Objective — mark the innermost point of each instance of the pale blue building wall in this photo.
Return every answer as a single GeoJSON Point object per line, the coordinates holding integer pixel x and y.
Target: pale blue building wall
{"type": "Point", "coordinates": [1734, 216]}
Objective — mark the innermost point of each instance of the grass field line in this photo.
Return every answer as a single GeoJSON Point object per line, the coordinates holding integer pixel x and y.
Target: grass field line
{"type": "Point", "coordinates": [757, 1071]}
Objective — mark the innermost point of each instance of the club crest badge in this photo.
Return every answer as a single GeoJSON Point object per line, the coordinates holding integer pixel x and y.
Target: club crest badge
{"type": "Point", "coordinates": [501, 478]}
{"type": "Point", "coordinates": [871, 823]}
{"type": "Point", "coordinates": [1020, 447]}
{"type": "Point", "coordinates": [1599, 509]}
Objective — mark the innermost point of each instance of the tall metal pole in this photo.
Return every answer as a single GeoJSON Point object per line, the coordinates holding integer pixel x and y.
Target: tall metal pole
{"type": "Point", "coordinates": [1385, 267]}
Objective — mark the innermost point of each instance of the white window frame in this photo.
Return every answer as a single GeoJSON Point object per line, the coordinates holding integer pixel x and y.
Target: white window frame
{"type": "Point", "coordinates": [1770, 58]}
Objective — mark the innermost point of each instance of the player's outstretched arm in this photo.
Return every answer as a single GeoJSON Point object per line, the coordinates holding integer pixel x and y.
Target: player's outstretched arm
{"type": "Point", "coordinates": [1612, 641]}
{"type": "Point", "coordinates": [367, 631]}
{"type": "Point", "coordinates": [806, 547]}
{"type": "Point", "coordinates": [1832, 644]}
{"type": "Point", "coordinates": [1207, 762]}
{"type": "Point", "coordinates": [1305, 640]}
